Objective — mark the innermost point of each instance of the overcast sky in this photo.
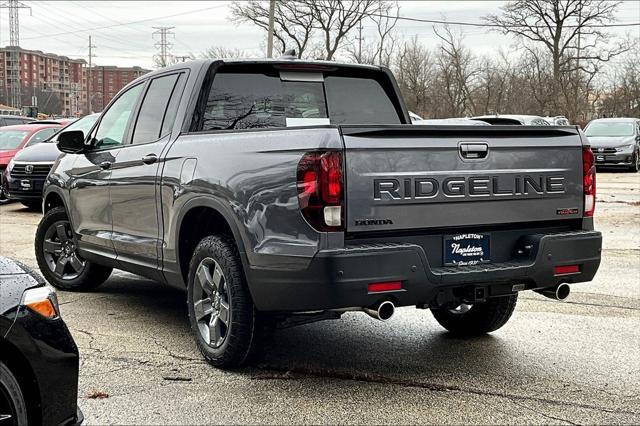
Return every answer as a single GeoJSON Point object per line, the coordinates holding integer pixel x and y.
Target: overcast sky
{"type": "Point", "coordinates": [63, 27]}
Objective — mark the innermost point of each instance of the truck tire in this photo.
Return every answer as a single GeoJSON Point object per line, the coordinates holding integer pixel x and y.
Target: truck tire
{"type": "Point", "coordinates": [58, 259]}
{"type": "Point", "coordinates": [477, 319]}
{"type": "Point", "coordinates": [221, 312]}
{"type": "Point", "coordinates": [13, 409]}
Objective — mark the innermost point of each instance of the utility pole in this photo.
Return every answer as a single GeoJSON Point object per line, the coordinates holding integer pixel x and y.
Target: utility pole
{"type": "Point", "coordinates": [360, 43]}
{"type": "Point", "coordinates": [163, 45]}
{"type": "Point", "coordinates": [272, 11]}
{"type": "Point", "coordinates": [577, 82]}
{"type": "Point", "coordinates": [89, 80]}
{"type": "Point", "coordinates": [14, 7]}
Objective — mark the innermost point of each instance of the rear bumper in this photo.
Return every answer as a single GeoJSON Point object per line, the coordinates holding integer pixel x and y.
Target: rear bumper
{"type": "Point", "coordinates": [339, 278]}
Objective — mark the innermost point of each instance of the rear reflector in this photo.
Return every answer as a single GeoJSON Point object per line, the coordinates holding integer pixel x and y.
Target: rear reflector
{"type": "Point", "coordinates": [386, 286]}
{"type": "Point", "coordinates": [566, 269]}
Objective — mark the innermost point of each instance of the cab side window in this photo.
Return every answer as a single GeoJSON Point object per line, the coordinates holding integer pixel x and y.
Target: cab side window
{"type": "Point", "coordinates": [112, 127]}
{"type": "Point", "coordinates": [158, 109]}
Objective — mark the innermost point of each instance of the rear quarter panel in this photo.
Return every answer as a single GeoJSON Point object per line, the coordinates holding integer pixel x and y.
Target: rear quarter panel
{"type": "Point", "coordinates": [251, 177]}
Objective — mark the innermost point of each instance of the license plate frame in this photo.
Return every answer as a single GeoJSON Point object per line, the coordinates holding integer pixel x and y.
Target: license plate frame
{"type": "Point", "coordinates": [26, 184]}
{"type": "Point", "coordinates": [466, 249]}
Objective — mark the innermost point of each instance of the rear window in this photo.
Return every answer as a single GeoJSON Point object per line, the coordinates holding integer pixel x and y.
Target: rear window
{"type": "Point", "coordinates": [358, 101]}
{"type": "Point", "coordinates": [240, 100]}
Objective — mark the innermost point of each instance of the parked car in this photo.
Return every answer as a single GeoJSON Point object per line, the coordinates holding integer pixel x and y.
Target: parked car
{"type": "Point", "coordinates": [38, 358]}
{"type": "Point", "coordinates": [61, 121]}
{"type": "Point", "coordinates": [24, 177]}
{"type": "Point", "coordinates": [415, 118]}
{"type": "Point", "coordinates": [615, 142]}
{"type": "Point", "coordinates": [197, 175]}
{"type": "Point", "coordinates": [510, 119]}
{"type": "Point", "coordinates": [14, 138]}
{"type": "Point", "coordinates": [451, 122]}
{"type": "Point", "coordinates": [558, 120]}
{"type": "Point", "coordinates": [13, 120]}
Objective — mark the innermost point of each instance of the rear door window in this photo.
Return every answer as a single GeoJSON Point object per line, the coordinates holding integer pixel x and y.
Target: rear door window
{"type": "Point", "coordinates": [153, 122]}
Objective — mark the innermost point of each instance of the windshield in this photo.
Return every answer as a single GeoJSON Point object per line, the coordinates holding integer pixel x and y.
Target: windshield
{"type": "Point", "coordinates": [609, 129]}
{"type": "Point", "coordinates": [84, 124]}
{"type": "Point", "coordinates": [11, 139]}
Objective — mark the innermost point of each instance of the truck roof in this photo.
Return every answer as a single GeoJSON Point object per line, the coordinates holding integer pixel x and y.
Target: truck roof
{"type": "Point", "coordinates": [301, 63]}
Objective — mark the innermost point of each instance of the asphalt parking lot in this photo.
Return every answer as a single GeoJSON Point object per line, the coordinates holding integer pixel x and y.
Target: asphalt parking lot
{"type": "Point", "coordinates": [572, 362]}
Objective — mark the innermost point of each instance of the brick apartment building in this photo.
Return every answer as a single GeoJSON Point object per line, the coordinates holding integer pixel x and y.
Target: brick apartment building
{"type": "Point", "coordinates": [43, 75]}
{"type": "Point", "coordinates": [106, 81]}
{"type": "Point", "coordinates": [46, 74]}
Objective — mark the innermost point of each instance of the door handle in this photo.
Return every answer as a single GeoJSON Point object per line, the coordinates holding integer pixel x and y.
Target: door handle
{"type": "Point", "coordinates": [105, 165]}
{"type": "Point", "coordinates": [474, 151]}
{"type": "Point", "coordinates": [149, 159]}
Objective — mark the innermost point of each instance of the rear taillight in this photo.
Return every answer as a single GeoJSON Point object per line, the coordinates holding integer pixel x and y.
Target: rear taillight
{"type": "Point", "coordinates": [320, 189]}
{"type": "Point", "coordinates": [589, 181]}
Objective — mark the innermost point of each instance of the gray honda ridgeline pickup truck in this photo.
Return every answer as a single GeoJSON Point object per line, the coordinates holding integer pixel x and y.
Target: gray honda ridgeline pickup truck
{"type": "Point", "coordinates": [284, 192]}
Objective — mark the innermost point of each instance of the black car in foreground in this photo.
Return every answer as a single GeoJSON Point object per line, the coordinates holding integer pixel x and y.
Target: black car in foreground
{"type": "Point", "coordinates": [38, 358]}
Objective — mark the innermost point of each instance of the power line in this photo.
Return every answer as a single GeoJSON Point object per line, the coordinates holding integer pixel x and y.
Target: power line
{"type": "Point", "coordinates": [67, 20]}
{"type": "Point", "coordinates": [129, 23]}
{"type": "Point", "coordinates": [487, 25]}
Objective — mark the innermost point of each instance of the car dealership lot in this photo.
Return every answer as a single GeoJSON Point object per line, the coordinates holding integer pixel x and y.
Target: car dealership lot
{"type": "Point", "coordinates": [573, 362]}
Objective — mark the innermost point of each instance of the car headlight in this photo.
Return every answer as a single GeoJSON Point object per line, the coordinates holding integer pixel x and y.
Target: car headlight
{"type": "Point", "coordinates": [10, 166]}
{"type": "Point", "coordinates": [42, 300]}
{"type": "Point", "coordinates": [624, 148]}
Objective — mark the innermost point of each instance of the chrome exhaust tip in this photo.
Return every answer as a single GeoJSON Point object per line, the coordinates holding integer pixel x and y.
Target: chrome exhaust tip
{"type": "Point", "coordinates": [559, 292]}
{"type": "Point", "coordinates": [382, 312]}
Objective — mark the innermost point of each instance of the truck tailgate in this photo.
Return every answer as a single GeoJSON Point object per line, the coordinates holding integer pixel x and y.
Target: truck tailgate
{"type": "Point", "coordinates": [417, 177]}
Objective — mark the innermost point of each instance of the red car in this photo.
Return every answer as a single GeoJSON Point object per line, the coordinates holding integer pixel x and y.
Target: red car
{"type": "Point", "coordinates": [14, 138]}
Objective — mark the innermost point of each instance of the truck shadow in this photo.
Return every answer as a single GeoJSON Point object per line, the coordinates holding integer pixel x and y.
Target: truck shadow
{"type": "Point", "coordinates": [410, 346]}
{"type": "Point", "coordinates": [410, 349]}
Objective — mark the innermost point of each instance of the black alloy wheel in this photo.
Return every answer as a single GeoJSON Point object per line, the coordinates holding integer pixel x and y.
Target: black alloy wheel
{"type": "Point", "coordinates": [60, 251]}
{"type": "Point", "coordinates": [59, 260]}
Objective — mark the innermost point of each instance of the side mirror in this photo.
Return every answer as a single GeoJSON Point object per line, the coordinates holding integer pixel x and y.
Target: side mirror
{"type": "Point", "coordinates": [71, 141]}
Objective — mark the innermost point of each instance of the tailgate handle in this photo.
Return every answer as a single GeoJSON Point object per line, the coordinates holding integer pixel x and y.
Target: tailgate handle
{"type": "Point", "coordinates": [474, 150]}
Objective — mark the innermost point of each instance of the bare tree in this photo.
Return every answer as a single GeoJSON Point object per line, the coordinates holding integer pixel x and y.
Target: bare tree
{"type": "Point", "coordinates": [335, 19]}
{"type": "Point", "coordinates": [569, 29]}
{"type": "Point", "coordinates": [414, 70]}
{"type": "Point", "coordinates": [380, 49]}
{"type": "Point", "coordinates": [293, 22]}
{"type": "Point", "coordinates": [220, 52]}
{"type": "Point", "coordinates": [622, 95]}
{"type": "Point", "coordinates": [457, 71]}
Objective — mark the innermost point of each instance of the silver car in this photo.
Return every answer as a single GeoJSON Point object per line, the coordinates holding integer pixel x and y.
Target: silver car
{"type": "Point", "coordinates": [615, 142]}
{"type": "Point", "coordinates": [512, 119]}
